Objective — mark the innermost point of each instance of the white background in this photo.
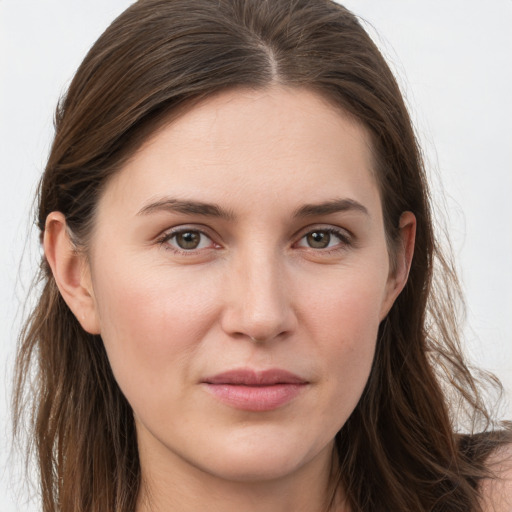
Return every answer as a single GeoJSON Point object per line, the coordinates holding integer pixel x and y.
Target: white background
{"type": "Point", "coordinates": [454, 61]}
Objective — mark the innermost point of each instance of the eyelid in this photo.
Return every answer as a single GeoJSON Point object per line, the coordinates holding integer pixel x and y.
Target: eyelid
{"type": "Point", "coordinates": [345, 236]}
{"type": "Point", "coordinates": [168, 234]}
{"type": "Point", "coordinates": [347, 239]}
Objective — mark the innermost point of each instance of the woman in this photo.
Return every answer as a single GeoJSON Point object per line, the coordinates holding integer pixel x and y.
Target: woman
{"type": "Point", "coordinates": [238, 261]}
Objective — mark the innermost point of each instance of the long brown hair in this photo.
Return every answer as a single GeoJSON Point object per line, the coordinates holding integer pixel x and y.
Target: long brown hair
{"type": "Point", "coordinates": [399, 449]}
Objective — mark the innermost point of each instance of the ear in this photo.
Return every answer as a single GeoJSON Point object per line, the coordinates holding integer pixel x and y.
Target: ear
{"type": "Point", "coordinates": [71, 272]}
{"type": "Point", "coordinates": [403, 259]}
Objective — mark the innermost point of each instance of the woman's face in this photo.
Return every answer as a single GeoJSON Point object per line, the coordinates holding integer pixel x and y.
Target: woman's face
{"type": "Point", "coordinates": [239, 273]}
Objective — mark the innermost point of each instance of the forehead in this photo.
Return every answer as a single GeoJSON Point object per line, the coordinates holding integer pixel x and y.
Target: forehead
{"type": "Point", "coordinates": [279, 142]}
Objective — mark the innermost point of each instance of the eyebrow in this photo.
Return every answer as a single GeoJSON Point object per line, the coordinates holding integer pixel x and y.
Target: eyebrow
{"type": "Point", "coordinates": [213, 210]}
{"type": "Point", "coordinates": [329, 207]}
{"type": "Point", "coordinates": [186, 207]}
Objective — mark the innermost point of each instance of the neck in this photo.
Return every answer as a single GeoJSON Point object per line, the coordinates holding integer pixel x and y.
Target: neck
{"type": "Point", "coordinates": [172, 486]}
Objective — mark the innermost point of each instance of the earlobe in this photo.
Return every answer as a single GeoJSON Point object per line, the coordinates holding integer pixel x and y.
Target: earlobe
{"type": "Point", "coordinates": [71, 272]}
{"type": "Point", "coordinates": [403, 260]}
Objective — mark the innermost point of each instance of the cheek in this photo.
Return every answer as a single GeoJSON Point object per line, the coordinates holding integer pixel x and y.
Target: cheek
{"type": "Point", "coordinates": [152, 323]}
{"type": "Point", "coordinates": [344, 320]}
{"type": "Point", "coordinates": [348, 305]}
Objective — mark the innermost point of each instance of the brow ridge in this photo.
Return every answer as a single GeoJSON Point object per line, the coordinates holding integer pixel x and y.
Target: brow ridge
{"type": "Point", "coordinates": [330, 207]}
{"type": "Point", "coordinates": [187, 207]}
{"type": "Point", "coordinates": [190, 207]}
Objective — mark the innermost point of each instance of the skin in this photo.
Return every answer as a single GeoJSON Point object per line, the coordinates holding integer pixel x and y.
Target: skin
{"type": "Point", "coordinates": [170, 317]}
{"type": "Point", "coordinates": [497, 492]}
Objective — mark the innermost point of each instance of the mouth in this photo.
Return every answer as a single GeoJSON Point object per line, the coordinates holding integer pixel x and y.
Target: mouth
{"type": "Point", "coordinates": [256, 391]}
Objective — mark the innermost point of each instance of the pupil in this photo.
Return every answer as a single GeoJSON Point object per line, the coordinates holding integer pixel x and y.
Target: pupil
{"type": "Point", "coordinates": [188, 240]}
{"type": "Point", "coordinates": [319, 239]}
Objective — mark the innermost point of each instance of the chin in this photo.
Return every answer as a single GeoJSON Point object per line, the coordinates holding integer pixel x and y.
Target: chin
{"type": "Point", "coordinates": [258, 468]}
{"type": "Point", "coordinates": [263, 459]}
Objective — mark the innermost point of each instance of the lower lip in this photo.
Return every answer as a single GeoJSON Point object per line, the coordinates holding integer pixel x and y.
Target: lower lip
{"type": "Point", "coordinates": [255, 398]}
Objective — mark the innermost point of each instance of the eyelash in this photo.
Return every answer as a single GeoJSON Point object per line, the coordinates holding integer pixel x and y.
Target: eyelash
{"type": "Point", "coordinates": [345, 240]}
{"type": "Point", "coordinates": [169, 235]}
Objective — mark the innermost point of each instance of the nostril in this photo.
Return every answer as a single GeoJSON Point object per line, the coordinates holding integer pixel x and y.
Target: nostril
{"type": "Point", "coordinates": [256, 305]}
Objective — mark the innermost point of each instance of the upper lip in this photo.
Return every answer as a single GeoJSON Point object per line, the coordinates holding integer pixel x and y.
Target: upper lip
{"type": "Point", "coordinates": [249, 377]}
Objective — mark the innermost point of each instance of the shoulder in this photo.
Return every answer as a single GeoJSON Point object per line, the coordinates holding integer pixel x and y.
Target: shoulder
{"type": "Point", "coordinates": [496, 492]}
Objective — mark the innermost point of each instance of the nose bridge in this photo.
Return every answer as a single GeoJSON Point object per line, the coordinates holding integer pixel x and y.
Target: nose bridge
{"type": "Point", "coordinates": [259, 305]}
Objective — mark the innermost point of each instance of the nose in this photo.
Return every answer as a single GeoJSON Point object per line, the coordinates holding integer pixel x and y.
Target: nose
{"type": "Point", "coordinates": [258, 302]}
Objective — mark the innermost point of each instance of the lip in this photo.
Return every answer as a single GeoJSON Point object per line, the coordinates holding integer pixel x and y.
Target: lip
{"type": "Point", "coordinates": [253, 390]}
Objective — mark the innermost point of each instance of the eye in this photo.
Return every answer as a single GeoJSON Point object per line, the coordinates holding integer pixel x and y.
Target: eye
{"type": "Point", "coordinates": [187, 240]}
{"type": "Point", "coordinates": [326, 238]}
